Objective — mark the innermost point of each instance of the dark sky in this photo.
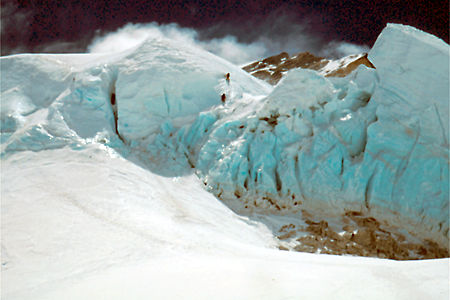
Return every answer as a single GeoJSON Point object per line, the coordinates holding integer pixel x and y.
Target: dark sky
{"type": "Point", "coordinates": [69, 26]}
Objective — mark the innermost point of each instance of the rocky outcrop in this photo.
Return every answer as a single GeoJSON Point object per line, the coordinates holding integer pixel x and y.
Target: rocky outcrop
{"type": "Point", "coordinates": [272, 69]}
{"type": "Point", "coordinates": [345, 69]}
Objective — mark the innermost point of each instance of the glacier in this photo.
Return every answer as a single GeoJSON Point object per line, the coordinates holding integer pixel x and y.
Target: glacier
{"type": "Point", "coordinates": [375, 141]}
{"type": "Point", "coordinates": [79, 133]}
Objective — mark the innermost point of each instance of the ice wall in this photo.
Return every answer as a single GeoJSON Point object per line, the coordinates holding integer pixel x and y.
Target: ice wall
{"type": "Point", "coordinates": [167, 98]}
{"type": "Point", "coordinates": [50, 101]}
{"type": "Point", "coordinates": [376, 140]}
{"type": "Point", "coordinates": [408, 149]}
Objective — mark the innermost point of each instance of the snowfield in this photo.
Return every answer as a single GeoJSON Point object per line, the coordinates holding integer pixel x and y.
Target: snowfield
{"type": "Point", "coordinates": [124, 176]}
{"type": "Point", "coordinates": [88, 224]}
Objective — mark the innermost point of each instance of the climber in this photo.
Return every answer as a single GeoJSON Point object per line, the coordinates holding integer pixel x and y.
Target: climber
{"type": "Point", "coordinates": [113, 99]}
{"type": "Point", "coordinates": [223, 98]}
{"type": "Point", "coordinates": [227, 78]}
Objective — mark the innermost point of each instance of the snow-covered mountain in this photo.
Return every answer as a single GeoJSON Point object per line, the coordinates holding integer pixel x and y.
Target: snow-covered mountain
{"type": "Point", "coordinates": [273, 68]}
{"type": "Point", "coordinates": [110, 165]}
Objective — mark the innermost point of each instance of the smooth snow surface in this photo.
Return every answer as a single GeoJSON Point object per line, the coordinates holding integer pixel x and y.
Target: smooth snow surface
{"type": "Point", "coordinates": [264, 275]}
{"type": "Point", "coordinates": [69, 213]}
{"type": "Point", "coordinates": [108, 161]}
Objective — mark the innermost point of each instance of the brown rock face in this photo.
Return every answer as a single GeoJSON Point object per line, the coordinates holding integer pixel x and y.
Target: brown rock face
{"type": "Point", "coordinates": [362, 236]}
{"type": "Point", "coordinates": [304, 60]}
{"type": "Point", "coordinates": [272, 69]}
{"type": "Point", "coordinates": [344, 71]}
{"type": "Point", "coordinates": [265, 63]}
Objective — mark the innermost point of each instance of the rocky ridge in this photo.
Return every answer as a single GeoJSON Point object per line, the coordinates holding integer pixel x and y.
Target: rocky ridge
{"type": "Point", "coordinates": [272, 69]}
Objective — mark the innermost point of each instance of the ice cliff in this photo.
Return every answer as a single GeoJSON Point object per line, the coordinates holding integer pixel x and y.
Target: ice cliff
{"type": "Point", "coordinates": [374, 141]}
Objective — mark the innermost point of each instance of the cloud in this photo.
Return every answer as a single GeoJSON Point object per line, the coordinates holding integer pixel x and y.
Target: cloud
{"type": "Point", "coordinates": [16, 36]}
{"type": "Point", "coordinates": [78, 46]}
{"type": "Point", "coordinates": [132, 35]}
{"type": "Point", "coordinates": [340, 49]}
{"type": "Point", "coordinates": [242, 39]}
{"type": "Point", "coordinates": [13, 36]}
{"type": "Point", "coordinates": [228, 42]}
{"type": "Point", "coordinates": [233, 51]}
{"type": "Point", "coordinates": [279, 31]}
{"type": "Point", "coordinates": [282, 31]}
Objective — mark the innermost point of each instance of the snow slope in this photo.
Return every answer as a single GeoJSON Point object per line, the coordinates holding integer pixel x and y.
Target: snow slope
{"type": "Point", "coordinates": [68, 213]}
{"type": "Point", "coordinates": [88, 224]}
{"type": "Point", "coordinates": [86, 138]}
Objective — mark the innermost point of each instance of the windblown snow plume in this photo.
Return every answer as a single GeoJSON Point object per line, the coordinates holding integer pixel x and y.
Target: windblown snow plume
{"type": "Point", "coordinates": [229, 46]}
